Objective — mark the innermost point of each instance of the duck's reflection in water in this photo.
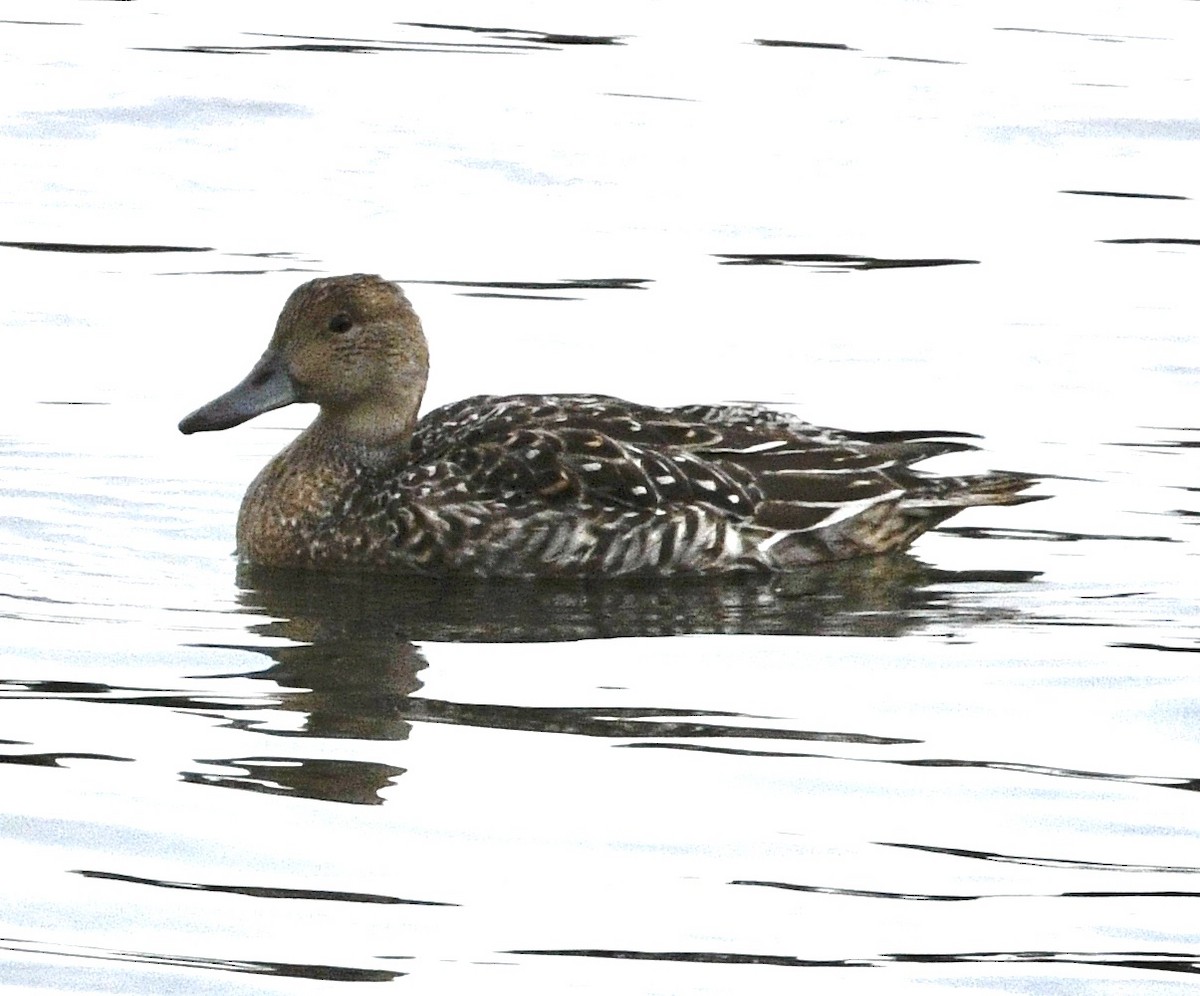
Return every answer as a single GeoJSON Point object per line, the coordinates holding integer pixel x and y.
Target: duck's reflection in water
{"type": "Point", "coordinates": [871, 596]}
{"type": "Point", "coordinates": [353, 670]}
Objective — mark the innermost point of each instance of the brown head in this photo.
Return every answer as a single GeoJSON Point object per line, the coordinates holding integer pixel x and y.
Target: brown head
{"type": "Point", "coordinates": [352, 345]}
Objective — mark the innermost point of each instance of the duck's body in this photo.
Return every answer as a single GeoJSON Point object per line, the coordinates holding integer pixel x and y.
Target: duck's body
{"type": "Point", "coordinates": [570, 485]}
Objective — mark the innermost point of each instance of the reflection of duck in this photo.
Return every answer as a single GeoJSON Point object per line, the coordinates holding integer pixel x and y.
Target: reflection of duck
{"type": "Point", "coordinates": [346, 621]}
{"type": "Point", "coordinates": [551, 486]}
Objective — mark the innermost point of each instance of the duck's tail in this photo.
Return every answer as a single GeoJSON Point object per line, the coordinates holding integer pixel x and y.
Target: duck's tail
{"type": "Point", "coordinates": [946, 495]}
{"type": "Point", "coordinates": [890, 525]}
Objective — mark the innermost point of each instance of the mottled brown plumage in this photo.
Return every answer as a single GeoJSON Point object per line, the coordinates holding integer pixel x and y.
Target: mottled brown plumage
{"type": "Point", "coordinates": [552, 485]}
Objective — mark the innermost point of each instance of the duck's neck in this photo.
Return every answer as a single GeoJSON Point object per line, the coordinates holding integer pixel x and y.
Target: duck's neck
{"type": "Point", "coordinates": [372, 433]}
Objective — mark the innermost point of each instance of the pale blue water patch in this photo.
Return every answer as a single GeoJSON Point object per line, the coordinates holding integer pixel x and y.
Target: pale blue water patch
{"type": "Point", "coordinates": [184, 112]}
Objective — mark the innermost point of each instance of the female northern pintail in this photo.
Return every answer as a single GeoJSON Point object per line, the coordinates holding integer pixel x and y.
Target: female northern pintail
{"type": "Point", "coordinates": [560, 485]}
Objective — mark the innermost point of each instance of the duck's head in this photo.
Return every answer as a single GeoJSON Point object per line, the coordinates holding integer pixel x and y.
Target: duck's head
{"type": "Point", "coordinates": [352, 345]}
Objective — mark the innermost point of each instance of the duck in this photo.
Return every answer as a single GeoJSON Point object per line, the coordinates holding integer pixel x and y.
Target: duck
{"type": "Point", "coordinates": [560, 485]}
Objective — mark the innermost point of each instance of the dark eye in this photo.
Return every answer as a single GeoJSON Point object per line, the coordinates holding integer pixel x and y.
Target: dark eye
{"type": "Point", "coordinates": [340, 323]}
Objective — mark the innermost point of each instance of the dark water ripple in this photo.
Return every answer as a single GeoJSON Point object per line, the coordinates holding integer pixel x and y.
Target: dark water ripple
{"type": "Point", "coordinates": [48, 24]}
{"type": "Point", "coordinates": [650, 96]}
{"type": "Point", "coordinates": [290, 970]}
{"type": "Point", "coordinates": [47, 759]}
{"type": "Point", "coordinates": [1152, 242]}
{"type": "Point", "coordinates": [1157, 781]}
{"type": "Point", "coordinates": [785, 43]}
{"type": "Point", "coordinates": [1122, 193]}
{"type": "Point", "coordinates": [541, 38]}
{"type": "Point", "coordinates": [830, 261]}
{"type": "Point", "coordinates": [398, 703]}
{"type": "Point", "coordinates": [239, 273]}
{"type": "Point", "coordinates": [505, 288]}
{"type": "Point", "coordinates": [913, 58]}
{"type": "Point", "coordinates": [506, 41]}
{"type": "Point", "coordinates": [1048, 535]}
{"type": "Point", "coordinates": [826, 890]}
{"type": "Point", "coordinates": [1091, 35]}
{"type": "Point", "coordinates": [99, 247]}
{"type": "Point", "coordinates": [263, 892]}
{"type": "Point", "coordinates": [1041, 862]}
{"type": "Point", "coordinates": [344, 46]}
{"type": "Point", "coordinates": [1141, 960]}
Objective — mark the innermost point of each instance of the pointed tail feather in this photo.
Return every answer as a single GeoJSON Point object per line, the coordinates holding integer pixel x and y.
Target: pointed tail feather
{"type": "Point", "coordinates": [1000, 488]}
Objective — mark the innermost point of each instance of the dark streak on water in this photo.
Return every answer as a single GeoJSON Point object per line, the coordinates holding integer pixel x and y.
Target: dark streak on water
{"type": "Point", "coordinates": [197, 50]}
{"type": "Point", "coordinates": [1091, 35]}
{"type": "Point", "coordinates": [344, 47]}
{"type": "Point", "coordinates": [1151, 242]}
{"type": "Point", "coordinates": [1143, 960]}
{"type": "Point", "coordinates": [352, 46]}
{"type": "Point", "coordinates": [1042, 862]}
{"type": "Point", "coordinates": [1165, 444]}
{"type": "Point", "coordinates": [382, 44]}
{"type": "Point", "coordinates": [1121, 193]}
{"type": "Point", "coordinates": [520, 297]}
{"type": "Point", "coordinates": [290, 970]}
{"type": "Point", "coordinates": [622, 722]}
{"type": "Point", "coordinates": [835, 261]}
{"type": "Point", "coordinates": [913, 58]}
{"type": "Point", "coordinates": [1154, 781]}
{"type": "Point", "coordinates": [600, 721]}
{"type": "Point", "coordinates": [311, 47]}
{"type": "Point", "coordinates": [541, 37]}
{"type": "Point", "coordinates": [49, 760]}
{"type": "Point", "coordinates": [1053, 535]}
{"type": "Point", "coordinates": [923, 897]}
{"type": "Point", "coordinates": [99, 248]}
{"type": "Point", "coordinates": [651, 96]}
{"type": "Point", "coordinates": [784, 43]}
{"type": "Point", "coordinates": [593, 283]}
{"type": "Point", "coordinates": [237, 273]}
{"type": "Point", "coordinates": [279, 254]}
{"type": "Point", "coordinates": [262, 892]}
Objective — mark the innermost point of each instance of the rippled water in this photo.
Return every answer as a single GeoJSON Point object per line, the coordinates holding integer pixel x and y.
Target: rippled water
{"type": "Point", "coordinates": [974, 765]}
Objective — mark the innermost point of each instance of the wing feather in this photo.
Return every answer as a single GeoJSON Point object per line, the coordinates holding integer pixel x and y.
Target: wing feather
{"type": "Point", "coordinates": [743, 461]}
